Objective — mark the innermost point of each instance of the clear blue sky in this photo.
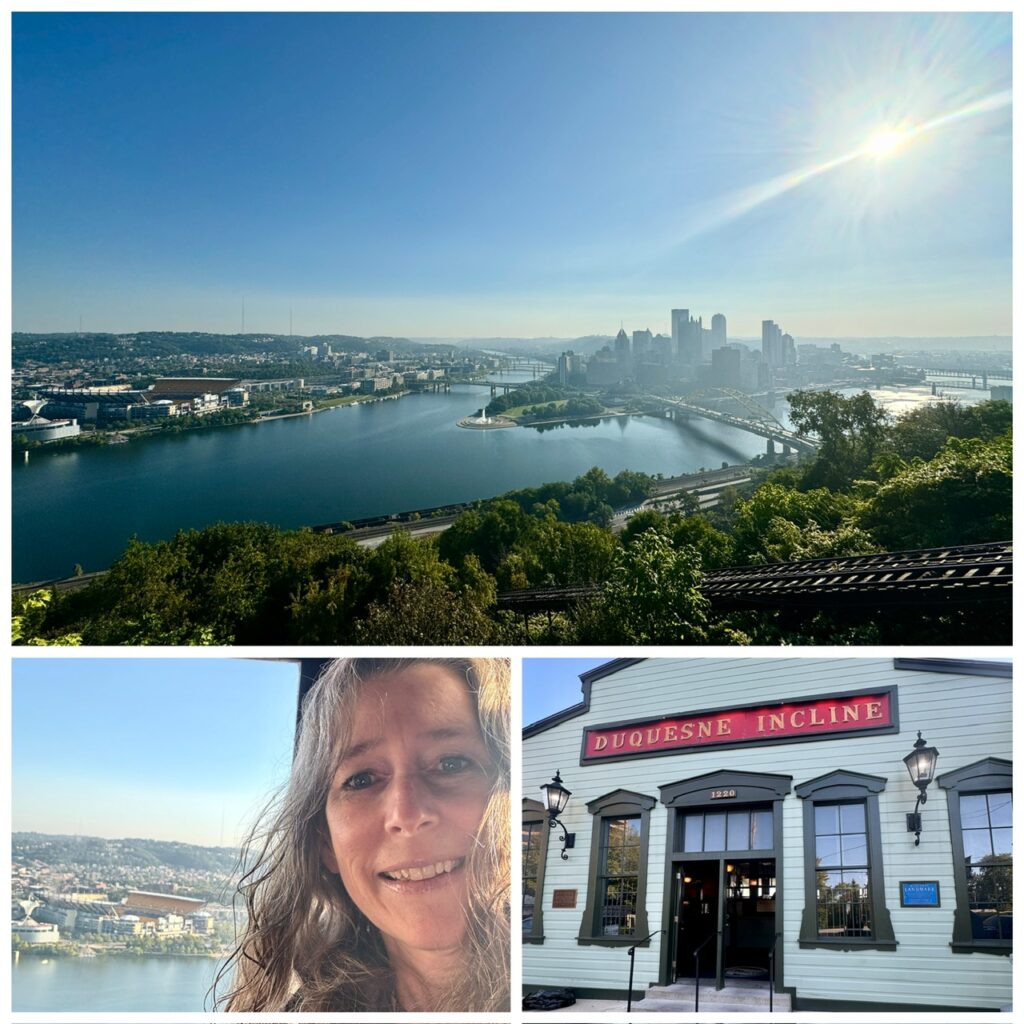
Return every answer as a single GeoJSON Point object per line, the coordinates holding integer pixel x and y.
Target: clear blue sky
{"type": "Point", "coordinates": [524, 174]}
{"type": "Point", "coordinates": [184, 749]}
{"type": "Point", "coordinates": [551, 684]}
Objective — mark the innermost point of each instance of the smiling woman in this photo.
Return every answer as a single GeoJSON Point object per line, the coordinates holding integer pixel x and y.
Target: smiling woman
{"type": "Point", "coordinates": [382, 879]}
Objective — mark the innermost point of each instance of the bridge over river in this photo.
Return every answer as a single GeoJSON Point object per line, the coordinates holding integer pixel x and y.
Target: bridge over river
{"type": "Point", "coordinates": [767, 427]}
{"type": "Point", "coordinates": [959, 376]}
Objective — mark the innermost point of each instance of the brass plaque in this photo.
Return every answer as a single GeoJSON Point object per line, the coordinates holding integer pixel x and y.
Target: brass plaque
{"type": "Point", "coordinates": [564, 898]}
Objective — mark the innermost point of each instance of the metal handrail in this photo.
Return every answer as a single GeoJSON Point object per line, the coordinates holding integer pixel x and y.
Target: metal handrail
{"type": "Point", "coordinates": [631, 953]}
{"type": "Point", "coordinates": [696, 970]}
{"type": "Point", "coordinates": [771, 971]}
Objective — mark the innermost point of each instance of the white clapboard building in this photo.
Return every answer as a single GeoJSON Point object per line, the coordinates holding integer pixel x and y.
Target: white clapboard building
{"type": "Point", "coordinates": [756, 824]}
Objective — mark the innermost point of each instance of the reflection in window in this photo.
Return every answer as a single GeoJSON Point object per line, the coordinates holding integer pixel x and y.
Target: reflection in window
{"type": "Point", "coordinates": [841, 859]}
{"type": "Point", "coordinates": [619, 875]}
{"type": "Point", "coordinates": [986, 821]}
{"type": "Point", "coordinates": [732, 830]}
{"type": "Point", "coordinates": [531, 861]}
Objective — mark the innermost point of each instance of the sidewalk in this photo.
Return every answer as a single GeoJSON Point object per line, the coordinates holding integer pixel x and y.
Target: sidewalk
{"type": "Point", "coordinates": [595, 1005]}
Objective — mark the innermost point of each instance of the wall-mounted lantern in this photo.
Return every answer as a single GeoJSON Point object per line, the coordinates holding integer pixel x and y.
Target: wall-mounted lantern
{"type": "Point", "coordinates": [557, 796]}
{"type": "Point", "coordinates": [920, 763]}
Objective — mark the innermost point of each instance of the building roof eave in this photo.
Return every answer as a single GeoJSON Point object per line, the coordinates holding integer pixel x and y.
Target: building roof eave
{"type": "Point", "coordinates": [586, 680]}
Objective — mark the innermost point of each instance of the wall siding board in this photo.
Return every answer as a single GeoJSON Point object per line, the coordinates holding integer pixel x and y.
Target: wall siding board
{"type": "Point", "coordinates": [966, 717]}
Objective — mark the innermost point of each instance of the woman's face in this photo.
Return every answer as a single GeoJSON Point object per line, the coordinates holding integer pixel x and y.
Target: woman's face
{"type": "Point", "coordinates": [405, 803]}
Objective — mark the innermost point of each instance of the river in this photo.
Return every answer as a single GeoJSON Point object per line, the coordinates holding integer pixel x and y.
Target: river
{"type": "Point", "coordinates": [150, 984]}
{"type": "Point", "coordinates": [81, 507]}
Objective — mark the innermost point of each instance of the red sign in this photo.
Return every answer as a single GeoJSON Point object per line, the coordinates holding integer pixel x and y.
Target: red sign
{"type": "Point", "coordinates": [798, 719]}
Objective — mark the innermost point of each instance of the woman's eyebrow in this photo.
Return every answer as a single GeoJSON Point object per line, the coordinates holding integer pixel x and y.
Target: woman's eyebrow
{"type": "Point", "coordinates": [360, 748]}
{"type": "Point", "coordinates": [444, 732]}
{"type": "Point", "coordinates": [448, 732]}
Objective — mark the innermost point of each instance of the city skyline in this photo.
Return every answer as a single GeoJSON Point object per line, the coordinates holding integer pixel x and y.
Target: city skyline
{"type": "Point", "coordinates": [149, 748]}
{"type": "Point", "coordinates": [818, 170]}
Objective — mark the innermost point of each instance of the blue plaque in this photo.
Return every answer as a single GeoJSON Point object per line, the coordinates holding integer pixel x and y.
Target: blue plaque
{"type": "Point", "coordinates": [919, 894]}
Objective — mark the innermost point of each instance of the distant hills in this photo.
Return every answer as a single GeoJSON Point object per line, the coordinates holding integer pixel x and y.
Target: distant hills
{"type": "Point", "coordinates": [49, 348]}
{"type": "Point", "coordinates": [57, 850]}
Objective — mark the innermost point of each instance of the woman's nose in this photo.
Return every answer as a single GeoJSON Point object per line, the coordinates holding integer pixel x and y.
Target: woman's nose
{"type": "Point", "coordinates": [410, 805]}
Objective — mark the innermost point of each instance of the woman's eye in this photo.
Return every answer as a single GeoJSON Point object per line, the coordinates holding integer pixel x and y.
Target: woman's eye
{"type": "Point", "coordinates": [359, 781]}
{"type": "Point", "coordinates": [454, 763]}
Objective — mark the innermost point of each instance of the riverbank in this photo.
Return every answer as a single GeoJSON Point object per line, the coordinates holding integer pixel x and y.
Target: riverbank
{"type": "Point", "coordinates": [586, 418]}
{"type": "Point", "coordinates": [100, 950]}
{"type": "Point", "coordinates": [99, 438]}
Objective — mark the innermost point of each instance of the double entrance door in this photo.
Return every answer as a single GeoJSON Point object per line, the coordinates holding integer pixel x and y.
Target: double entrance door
{"type": "Point", "coordinates": [725, 918]}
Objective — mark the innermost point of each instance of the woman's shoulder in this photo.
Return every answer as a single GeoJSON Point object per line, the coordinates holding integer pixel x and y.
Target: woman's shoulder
{"type": "Point", "coordinates": [342, 999]}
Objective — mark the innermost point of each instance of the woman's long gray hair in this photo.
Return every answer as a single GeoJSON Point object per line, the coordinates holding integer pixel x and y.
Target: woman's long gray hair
{"type": "Point", "coordinates": [307, 947]}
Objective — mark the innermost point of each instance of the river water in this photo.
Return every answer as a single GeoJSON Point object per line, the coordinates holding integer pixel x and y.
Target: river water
{"type": "Point", "coordinates": [346, 463]}
{"type": "Point", "coordinates": [81, 507]}
{"type": "Point", "coordinates": [151, 984]}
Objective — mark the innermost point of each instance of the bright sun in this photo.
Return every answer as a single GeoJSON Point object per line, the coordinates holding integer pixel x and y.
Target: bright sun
{"type": "Point", "coordinates": [885, 143]}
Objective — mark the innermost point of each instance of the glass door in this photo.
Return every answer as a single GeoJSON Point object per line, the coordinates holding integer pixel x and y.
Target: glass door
{"type": "Point", "coordinates": [748, 918]}
{"type": "Point", "coordinates": [697, 918]}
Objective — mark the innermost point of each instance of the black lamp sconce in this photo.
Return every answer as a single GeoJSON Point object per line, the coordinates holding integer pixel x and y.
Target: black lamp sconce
{"type": "Point", "coordinates": [557, 796]}
{"type": "Point", "coordinates": [920, 763]}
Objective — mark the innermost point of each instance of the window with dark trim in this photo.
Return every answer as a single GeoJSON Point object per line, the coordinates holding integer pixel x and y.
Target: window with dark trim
{"type": "Point", "coordinates": [844, 886]}
{"type": "Point", "coordinates": [841, 865]}
{"type": "Point", "coordinates": [980, 802]}
{"type": "Point", "coordinates": [713, 831]}
{"type": "Point", "coordinates": [535, 851]}
{"type": "Point", "coordinates": [618, 875]}
{"type": "Point", "coordinates": [616, 910]}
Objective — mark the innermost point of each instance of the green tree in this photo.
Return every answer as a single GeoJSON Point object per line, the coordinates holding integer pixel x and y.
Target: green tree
{"type": "Point", "coordinates": [324, 611]}
{"type": "Point", "coordinates": [559, 554]}
{"type": "Point", "coordinates": [762, 524]}
{"type": "Point", "coordinates": [714, 546]}
{"type": "Point", "coordinates": [426, 612]}
{"type": "Point", "coordinates": [851, 431]}
{"type": "Point", "coordinates": [228, 583]}
{"type": "Point", "coordinates": [652, 596]}
{"type": "Point", "coordinates": [490, 534]}
{"type": "Point", "coordinates": [27, 622]}
{"type": "Point", "coordinates": [922, 432]}
{"type": "Point", "coordinates": [963, 496]}
{"type": "Point", "coordinates": [638, 525]}
{"type": "Point", "coordinates": [404, 559]}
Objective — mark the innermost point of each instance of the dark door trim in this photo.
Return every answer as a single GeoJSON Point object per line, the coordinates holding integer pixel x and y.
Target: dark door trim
{"type": "Point", "coordinates": [688, 794]}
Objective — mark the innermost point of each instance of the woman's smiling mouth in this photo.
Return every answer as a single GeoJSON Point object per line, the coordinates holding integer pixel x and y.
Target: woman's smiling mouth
{"type": "Point", "coordinates": [422, 872]}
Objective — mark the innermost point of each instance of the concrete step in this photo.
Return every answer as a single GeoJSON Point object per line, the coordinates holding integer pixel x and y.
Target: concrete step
{"type": "Point", "coordinates": [669, 1006]}
{"type": "Point", "coordinates": [749, 997]}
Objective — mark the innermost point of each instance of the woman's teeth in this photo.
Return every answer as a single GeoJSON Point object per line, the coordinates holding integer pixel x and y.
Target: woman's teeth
{"type": "Point", "coordinates": [420, 874]}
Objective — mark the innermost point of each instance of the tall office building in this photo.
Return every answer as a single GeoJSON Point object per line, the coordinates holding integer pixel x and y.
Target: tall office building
{"type": "Point", "coordinates": [725, 367]}
{"type": "Point", "coordinates": [622, 351]}
{"type": "Point", "coordinates": [771, 343]}
{"type": "Point", "coordinates": [642, 345]}
{"type": "Point", "coordinates": [680, 324]}
{"type": "Point", "coordinates": [718, 338]}
{"type": "Point", "coordinates": [661, 349]}
{"type": "Point", "coordinates": [571, 368]}
{"type": "Point", "coordinates": [687, 337]}
{"type": "Point", "coordinates": [788, 350]}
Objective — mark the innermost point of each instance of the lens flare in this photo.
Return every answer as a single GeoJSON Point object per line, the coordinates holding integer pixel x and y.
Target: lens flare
{"type": "Point", "coordinates": [885, 143]}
